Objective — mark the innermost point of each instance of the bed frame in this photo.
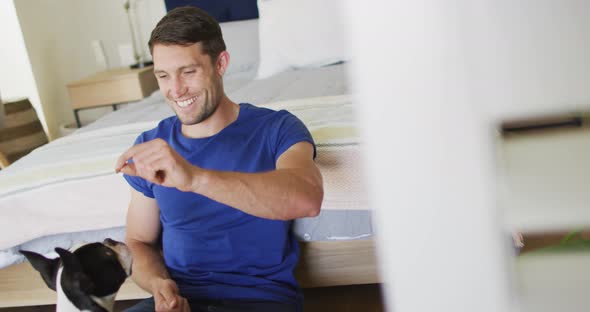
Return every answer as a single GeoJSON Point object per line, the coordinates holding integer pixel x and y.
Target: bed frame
{"type": "Point", "coordinates": [322, 264]}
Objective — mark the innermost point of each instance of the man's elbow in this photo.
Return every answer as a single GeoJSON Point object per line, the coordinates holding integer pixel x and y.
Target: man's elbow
{"type": "Point", "coordinates": [306, 201]}
{"type": "Point", "coordinates": [314, 211]}
{"type": "Point", "coordinates": [315, 195]}
{"type": "Point", "coordinates": [314, 202]}
{"type": "Point", "coordinates": [306, 205]}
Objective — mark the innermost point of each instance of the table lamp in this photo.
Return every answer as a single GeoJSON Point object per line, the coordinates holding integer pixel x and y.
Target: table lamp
{"type": "Point", "coordinates": [139, 59]}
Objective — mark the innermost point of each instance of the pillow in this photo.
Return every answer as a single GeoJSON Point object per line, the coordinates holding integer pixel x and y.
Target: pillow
{"type": "Point", "coordinates": [221, 10]}
{"type": "Point", "coordinates": [241, 41]}
{"type": "Point", "coordinates": [300, 34]}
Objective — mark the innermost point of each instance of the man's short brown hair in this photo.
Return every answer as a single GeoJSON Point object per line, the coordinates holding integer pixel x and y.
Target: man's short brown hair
{"type": "Point", "coordinates": [188, 25]}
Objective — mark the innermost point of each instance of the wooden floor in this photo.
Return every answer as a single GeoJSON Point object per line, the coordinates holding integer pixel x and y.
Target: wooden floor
{"type": "Point", "coordinates": [366, 298]}
{"type": "Point", "coordinates": [322, 264]}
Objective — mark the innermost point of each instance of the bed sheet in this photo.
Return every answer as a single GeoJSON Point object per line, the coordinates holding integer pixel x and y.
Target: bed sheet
{"type": "Point", "coordinates": [242, 87]}
{"type": "Point", "coordinates": [345, 212]}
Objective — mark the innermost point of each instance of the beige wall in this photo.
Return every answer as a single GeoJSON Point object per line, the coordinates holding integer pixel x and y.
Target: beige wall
{"type": "Point", "coordinates": [58, 37]}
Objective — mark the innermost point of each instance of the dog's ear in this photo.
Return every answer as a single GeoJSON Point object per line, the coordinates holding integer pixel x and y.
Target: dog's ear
{"type": "Point", "coordinates": [47, 267]}
{"type": "Point", "coordinates": [68, 259]}
{"type": "Point", "coordinates": [73, 273]}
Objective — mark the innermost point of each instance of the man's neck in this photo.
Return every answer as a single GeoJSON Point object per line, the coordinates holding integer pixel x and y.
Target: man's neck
{"type": "Point", "coordinates": [226, 113]}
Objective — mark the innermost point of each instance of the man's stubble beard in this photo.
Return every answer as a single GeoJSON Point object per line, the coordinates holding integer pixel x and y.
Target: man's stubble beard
{"type": "Point", "coordinates": [209, 108]}
{"type": "Point", "coordinates": [206, 111]}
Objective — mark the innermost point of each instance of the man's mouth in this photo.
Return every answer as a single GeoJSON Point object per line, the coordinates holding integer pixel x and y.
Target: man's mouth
{"type": "Point", "coordinates": [186, 103]}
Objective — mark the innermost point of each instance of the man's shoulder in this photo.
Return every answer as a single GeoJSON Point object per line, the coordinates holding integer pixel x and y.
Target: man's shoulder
{"type": "Point", "coordinates": [162, 130]}
{"type": "Point", "coordinates": [254, 112]}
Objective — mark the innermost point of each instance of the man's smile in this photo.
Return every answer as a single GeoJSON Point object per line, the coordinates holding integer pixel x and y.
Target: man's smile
{"type": "Point", "coordinates": [186, 102]}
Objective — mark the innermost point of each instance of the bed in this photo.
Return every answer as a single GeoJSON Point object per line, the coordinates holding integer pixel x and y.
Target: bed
{"type": "Point", "coordinates": [67, 193]}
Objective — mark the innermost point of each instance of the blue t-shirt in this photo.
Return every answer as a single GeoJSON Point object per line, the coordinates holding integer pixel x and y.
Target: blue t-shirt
{"type": "Point", "coordinates": [214, 251]}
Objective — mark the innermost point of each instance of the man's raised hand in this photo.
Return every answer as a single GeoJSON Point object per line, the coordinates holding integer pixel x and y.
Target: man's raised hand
{"type": "Point", "coordinates": [158, 163]}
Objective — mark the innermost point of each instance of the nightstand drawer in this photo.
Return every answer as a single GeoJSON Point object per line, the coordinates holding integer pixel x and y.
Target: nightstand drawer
{"type": "Point", "coordinates": [112, 87]}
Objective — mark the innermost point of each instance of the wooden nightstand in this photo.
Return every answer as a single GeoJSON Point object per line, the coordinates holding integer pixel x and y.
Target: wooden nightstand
{"type": "Point", "coordinates": [111, 87]}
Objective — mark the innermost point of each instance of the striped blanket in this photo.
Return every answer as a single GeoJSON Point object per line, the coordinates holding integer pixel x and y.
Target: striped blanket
{"type": "Point", "coordinates": [69, 185]}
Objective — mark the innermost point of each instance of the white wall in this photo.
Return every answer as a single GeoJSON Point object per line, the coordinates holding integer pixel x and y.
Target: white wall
{"type": "Point", "coordinates": [432, 78]}
{"type": "Point", "coordinates": [428, 156]}
{"type": "Point", "coordinates": [530, 57]}
{"type": "Point", "coordinates": [16, 75]}
{"type": "Point", "coordinates": [58, 36]}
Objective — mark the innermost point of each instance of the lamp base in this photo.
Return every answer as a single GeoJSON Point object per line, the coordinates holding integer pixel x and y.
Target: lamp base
{"type": "Point", "coordinates": [141, 64]}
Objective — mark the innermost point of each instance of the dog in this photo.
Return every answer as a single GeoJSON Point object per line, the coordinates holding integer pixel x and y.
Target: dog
{"type": "Point", "coordinates": [86, 279]}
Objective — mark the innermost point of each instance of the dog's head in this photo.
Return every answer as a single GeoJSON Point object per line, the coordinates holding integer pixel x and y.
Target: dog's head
{"type": "Point", "coordinates": [87, 275]}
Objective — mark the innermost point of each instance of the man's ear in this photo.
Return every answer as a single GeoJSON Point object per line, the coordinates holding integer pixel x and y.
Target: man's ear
{"type": "Point", "coordinates": [222, 63]}
{"type": "Point", "coordinates": [73, 274]}
{"type": "Point", "coordinates": [47, 267]}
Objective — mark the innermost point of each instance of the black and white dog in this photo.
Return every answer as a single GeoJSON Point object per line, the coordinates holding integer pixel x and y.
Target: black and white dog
{"type": "Point", "coordinates": [86, 279]}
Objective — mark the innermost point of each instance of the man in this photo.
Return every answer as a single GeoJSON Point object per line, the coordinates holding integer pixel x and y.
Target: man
{"type": "Point", "coordinates": [216, 185]}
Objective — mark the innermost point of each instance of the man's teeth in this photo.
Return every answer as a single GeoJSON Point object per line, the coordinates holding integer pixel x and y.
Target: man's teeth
{"type": "Point", "coordinates": [185, 103]}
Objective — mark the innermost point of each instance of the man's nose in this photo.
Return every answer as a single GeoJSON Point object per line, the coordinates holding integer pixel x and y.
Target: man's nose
{"type": "Point", "coordinates": [178, 88]}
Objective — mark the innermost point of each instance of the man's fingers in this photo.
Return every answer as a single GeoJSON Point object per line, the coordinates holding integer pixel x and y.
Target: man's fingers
{"type": "Point", "coordinates": [172, 304]}
{"type": "Point", "coordinates": [122, 160]}
{"type": "Point", "coordinates": [143, 155]}
{"type": "Point", "coordinates": [166, 295]}
{"type": "Point", "coordinates": [136, 150]}
{"type": "Point", "coordinates": [160, 176]}
{"type": "Point", "coordinates": [128, 169]}
{"type": "Point", "coordinates": [161, 304]}
{"type": "Point", "coordinates": [170, 298]}
{"type": "Point", "coordinates": [160, 166]}
{"type": "Point", "coordinates": [164, 304]}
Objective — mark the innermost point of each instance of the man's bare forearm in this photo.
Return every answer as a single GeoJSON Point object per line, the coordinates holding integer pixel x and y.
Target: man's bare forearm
{"type": "Point", "coordinates": [148, 264]}
{"type": "Point", "coordinates": [282, 194]}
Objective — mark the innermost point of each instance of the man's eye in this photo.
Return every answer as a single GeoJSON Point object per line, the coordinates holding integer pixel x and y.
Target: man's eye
{"type": "Point", "coordinates": [189, 72]}
{"type": "Point", "coordinates": [162, 76]}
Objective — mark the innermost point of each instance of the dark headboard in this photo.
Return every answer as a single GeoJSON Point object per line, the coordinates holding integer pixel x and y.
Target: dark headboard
{"type": "Point", "coordinates": [221, 10]}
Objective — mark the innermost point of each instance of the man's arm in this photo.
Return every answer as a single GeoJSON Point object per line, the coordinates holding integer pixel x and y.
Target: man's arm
{"type": "Point", "coordinates": [142, 233]}
{"type": "Point", "coordinates": [293, 190]}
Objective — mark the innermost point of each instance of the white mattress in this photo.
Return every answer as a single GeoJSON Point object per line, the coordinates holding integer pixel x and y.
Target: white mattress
{"type": "Point", "coordinates": [345, 216]}
{"type": "Point", "coordinates": [242, 88]}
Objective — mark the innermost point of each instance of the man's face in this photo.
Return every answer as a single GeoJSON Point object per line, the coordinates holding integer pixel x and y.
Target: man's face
{"type": "Point", "coordinates": [189, 80]}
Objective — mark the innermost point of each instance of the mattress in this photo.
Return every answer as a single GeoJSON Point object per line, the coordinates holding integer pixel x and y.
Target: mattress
{"type": "Point", "coordinates": [242, 88]}
{"type": "Point", "coordinates": [66, 192]}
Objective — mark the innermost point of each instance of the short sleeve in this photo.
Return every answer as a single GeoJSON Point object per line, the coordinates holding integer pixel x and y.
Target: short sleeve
{"type": "Point", "coordinates": [289, 130]}
{"type": "Point", "coordinates": [138, 183]}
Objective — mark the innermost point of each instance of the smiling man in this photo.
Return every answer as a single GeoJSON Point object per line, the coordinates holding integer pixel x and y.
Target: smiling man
{"type": "Point", "coordinates": [213, 188]}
